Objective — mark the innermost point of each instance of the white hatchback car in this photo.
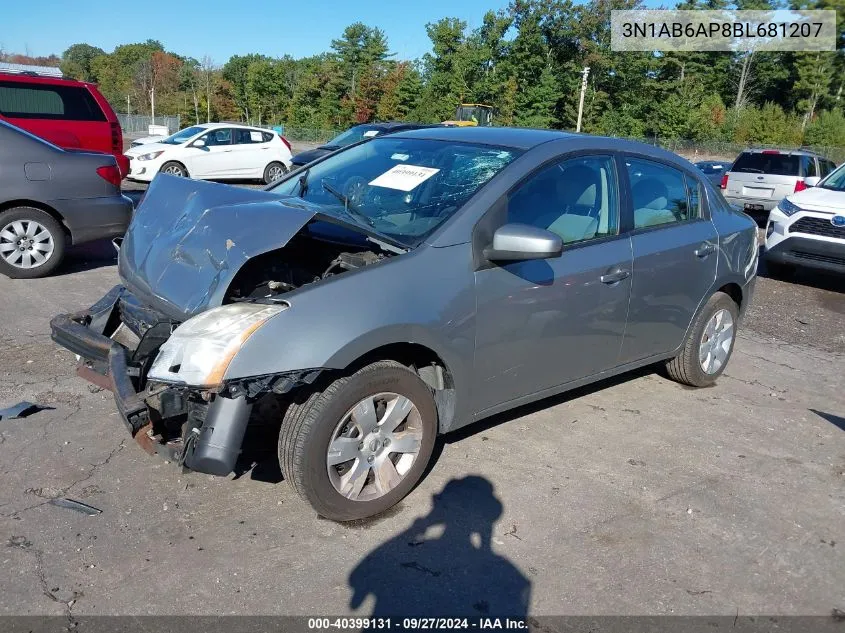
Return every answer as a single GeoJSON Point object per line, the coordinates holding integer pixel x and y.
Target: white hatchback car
{"type": "Point", "coordinates": [213, 151]}
{"type": "Point", "coordinates": [807, 228]}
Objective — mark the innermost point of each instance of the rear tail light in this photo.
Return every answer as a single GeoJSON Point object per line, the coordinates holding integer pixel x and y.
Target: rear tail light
{"type": "Point", "coordinates": [770, 151]}
{"type": "Point", "coordinates": [285, 141]}
{"type": "Point", "coordinates": [724, 183]}
{"type": "Point", "coordinates": [800, 185]}
{"type": "Point", "coordinates": [116, 138]}
{"type": "Point", "coordinates": [110, 173]}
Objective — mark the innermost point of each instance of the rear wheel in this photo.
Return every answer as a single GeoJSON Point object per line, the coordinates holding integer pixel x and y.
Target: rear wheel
{"type": "Point", "coordinates": [359, 446]}
{"type": "Point", "coordinates": [174, 169]}
{"type": "Point", "coordinates": [32, 243]}
{"type": "Point", "coordinates": [273, 172]}
{"type": "Point", "coordinates": [709, 344]}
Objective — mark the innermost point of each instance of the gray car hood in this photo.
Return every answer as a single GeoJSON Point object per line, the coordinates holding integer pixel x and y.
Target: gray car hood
{"type": "Point", "coordinates": [189, 238]}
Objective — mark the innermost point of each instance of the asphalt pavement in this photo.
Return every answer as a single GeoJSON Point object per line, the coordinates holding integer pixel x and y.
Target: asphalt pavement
{"type": "Point", "coordinates": [633, 496]}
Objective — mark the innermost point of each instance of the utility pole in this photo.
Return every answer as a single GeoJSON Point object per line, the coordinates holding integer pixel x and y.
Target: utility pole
{"type": "Point", "coordinates": [127, 105]}
{"type": "Point", "coordinates": [584, 74]}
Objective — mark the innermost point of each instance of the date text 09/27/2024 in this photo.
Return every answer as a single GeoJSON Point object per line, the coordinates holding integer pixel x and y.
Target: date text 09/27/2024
{"type": "Point", "coordinates": [411, 624]}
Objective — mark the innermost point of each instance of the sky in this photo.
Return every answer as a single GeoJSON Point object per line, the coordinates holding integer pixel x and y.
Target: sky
{"type": "Point", "coordinates": [222, 29]}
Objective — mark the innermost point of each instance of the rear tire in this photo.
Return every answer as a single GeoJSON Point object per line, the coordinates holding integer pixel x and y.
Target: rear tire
{"type": "Point", "coordinates": [39, 234]}
{"type": "Point", "coordinates": [273, 172]}
{"type": "Point", "coordinates": [703, 357]}
{"type": "Point", "coordinates": [332, 417]}
{"type": "Point", "coordinates": [173, 168]}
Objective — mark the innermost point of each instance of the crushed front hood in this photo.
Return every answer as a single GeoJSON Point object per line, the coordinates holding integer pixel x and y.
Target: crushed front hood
{"type": "Point", "coordinates": [189, 238]}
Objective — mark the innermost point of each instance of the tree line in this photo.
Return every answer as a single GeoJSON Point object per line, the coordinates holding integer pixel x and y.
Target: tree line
{"type": "Point", "coordinates": [525, 61]}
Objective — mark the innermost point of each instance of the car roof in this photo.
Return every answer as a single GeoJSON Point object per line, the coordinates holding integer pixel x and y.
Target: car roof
{"type": "Point", "coordinates": [214, 126]}
{"type": "Point", "coordinates": [517, 138]}
{"type": "Point", "coordinates": [528, 138]}
{"type": "Point", "coordinates": [788, 152]}
{"type": "Point", "coordinates": [42, 79]}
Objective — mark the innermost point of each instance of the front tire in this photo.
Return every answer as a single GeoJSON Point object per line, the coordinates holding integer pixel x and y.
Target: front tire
{"type": "Point", "coordinates": [357, 447]}
{"type": "Point", "coordinates": [173, 168]}
{"type": "Point", "coordinates": [273, 172]}
{"type": "Point", "coordinates": [32, 243]}
{"type": "Point", "coordinates": [709, 344]}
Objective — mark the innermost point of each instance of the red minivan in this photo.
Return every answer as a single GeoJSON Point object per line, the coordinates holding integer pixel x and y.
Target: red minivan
{"type": "Point", "coordinates": [68, 113]}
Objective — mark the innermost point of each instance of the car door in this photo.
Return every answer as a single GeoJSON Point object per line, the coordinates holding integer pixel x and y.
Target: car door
{"type": "Point", "coordinates": [250, 153]}
{"type": "Point", "coordinates": [213, 159]}
{"type": "Point", "coordinates": [675, 247]}
{"type": "Point", "coordinates": [543, 323]}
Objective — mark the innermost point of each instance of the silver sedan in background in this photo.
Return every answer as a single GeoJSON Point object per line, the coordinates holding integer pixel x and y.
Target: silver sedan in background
{"type": "Point", "coordinates": [404, 288]}
{"type": "Point", "coordinates": [51, 198]}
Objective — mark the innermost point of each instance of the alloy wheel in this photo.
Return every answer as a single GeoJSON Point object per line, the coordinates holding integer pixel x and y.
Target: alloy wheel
{"type": "Point", "coordinates": [716, 342]}
{"type": "Point", "coordinates": [26, 244]}
{"type": "Point", "coordinates": [374, 446]}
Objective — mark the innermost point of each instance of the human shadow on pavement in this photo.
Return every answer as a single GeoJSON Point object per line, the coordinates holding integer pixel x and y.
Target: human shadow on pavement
{"type": "Point", "coordinates": [835, 420]}
{"type": "Point", "coordinates": [443, 564]}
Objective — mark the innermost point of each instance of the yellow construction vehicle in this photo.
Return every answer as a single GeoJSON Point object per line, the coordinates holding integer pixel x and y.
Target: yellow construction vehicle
{"type": "Point", "coordinates": [472, 114]}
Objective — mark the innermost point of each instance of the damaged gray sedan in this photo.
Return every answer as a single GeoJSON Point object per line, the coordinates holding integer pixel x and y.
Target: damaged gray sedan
{"type": "Point", "coordinates": [403, 288]}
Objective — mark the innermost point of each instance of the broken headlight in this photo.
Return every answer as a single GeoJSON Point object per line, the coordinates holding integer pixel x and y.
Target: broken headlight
{"type": "Point", "coordinates": [199, 351]}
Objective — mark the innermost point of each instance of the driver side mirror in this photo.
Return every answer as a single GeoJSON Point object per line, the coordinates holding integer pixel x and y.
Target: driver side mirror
{"type": "Point", "coordinates": [198, 143]}
{"type": "Point", "coordinates": [812, 181]}
{"type": "Point", "coordinates": [520, 242]}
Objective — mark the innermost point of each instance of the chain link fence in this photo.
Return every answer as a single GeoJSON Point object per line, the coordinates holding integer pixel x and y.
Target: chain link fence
{"type": "Point", "coordinates": [140, 123]}
{"type": "Point", "coordinates": [721, 150]}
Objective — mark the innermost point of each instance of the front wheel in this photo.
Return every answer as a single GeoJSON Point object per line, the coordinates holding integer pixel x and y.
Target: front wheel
{"type": "Point", "coordinates": [273, 172]}
{"type": "Point", "coordinates": [174, 169]}
{"type": "Point", "coordinates": [32, 243]}
{"type": "Point", "coordinates": [709, 343]}
{"type": "Point", "coordinates": [359, 446]}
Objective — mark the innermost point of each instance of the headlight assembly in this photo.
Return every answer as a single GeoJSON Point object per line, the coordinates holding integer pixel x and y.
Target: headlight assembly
{"type": "Point", "coordinates": [151, 155]}
{"type": "Point", "coordinates": [788, 208]}
{"type": "Point", "coordinates": [199, 351]}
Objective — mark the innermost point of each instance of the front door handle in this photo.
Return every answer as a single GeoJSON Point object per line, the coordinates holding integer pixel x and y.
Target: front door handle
{"type": "Point", "coordinates": [705, 249]}
{"type": "Point", "coordinates": [614, 276]}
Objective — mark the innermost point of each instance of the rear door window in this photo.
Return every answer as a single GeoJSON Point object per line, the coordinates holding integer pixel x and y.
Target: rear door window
{"type": "Point", "coordinates": [776, 164]}
{"type": "Point", "coordinates": [30, 101]}
{"type": "Point", "coordinates": [826, 167]}
{"type": "Point", "coordinates": [247, 137]}
{"type": "Point", "coordinates": [809, 166]}
{"type": "Point", "coordinates": [658, 192]}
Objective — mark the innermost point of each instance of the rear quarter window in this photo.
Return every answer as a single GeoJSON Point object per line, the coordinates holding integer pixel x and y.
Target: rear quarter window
{"type": "Point", "coordinates": [67, 103]}
{"type": "Point", "coordinates": [775, 164]}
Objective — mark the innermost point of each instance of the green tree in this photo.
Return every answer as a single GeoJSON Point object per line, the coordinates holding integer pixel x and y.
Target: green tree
{"type": "Point", "coordinates": [77, 61]}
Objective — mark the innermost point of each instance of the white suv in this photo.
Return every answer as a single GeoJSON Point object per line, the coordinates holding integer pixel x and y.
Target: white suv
{"type": "Point", "coordinates": [213, 151]}
{"type": "Point", "coordinates": [808, 228]}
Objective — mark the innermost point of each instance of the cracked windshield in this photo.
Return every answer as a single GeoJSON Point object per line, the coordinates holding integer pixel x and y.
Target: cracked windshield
{"type": "Point", "coordinates": [400, 188]}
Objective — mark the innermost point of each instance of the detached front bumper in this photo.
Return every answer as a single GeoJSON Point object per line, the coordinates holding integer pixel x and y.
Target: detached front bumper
{"type": "Point", "coordinates": [204, 432]}
{"type": "Point", "coordinates": [104, 363]}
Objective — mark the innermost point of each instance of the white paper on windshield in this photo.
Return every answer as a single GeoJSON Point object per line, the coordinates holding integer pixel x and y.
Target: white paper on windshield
{"type": "Point", "coordinates": [404, 177]}
{"type": "Point", "coordinates": [370, 133]}
{"type": "Point", "coordinates": [399, 157]}
{"type": "Point", "coordinates": [255, 136]}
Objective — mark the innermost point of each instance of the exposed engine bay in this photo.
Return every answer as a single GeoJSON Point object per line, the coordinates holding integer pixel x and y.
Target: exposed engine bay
{"type": "Point", "coordinates": [304, 260]}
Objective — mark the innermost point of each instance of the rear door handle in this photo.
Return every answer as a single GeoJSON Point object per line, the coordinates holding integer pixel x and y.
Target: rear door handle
{"type": "Point", "coordinates": [705, 249]}
{"type": "Point", "coordinates": [614, 276]}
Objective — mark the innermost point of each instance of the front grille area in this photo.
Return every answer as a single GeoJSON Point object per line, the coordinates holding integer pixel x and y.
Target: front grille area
{"type": "Point", "coordinates": [817, 226]}
{"type": "Point", "coordinates": [828, 259]}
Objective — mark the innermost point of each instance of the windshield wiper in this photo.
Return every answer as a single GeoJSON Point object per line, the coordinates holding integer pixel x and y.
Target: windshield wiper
{"type": "Point", "coordinates": [303, 183]}
{"type": "Point", "coordinates": [348, 206]}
